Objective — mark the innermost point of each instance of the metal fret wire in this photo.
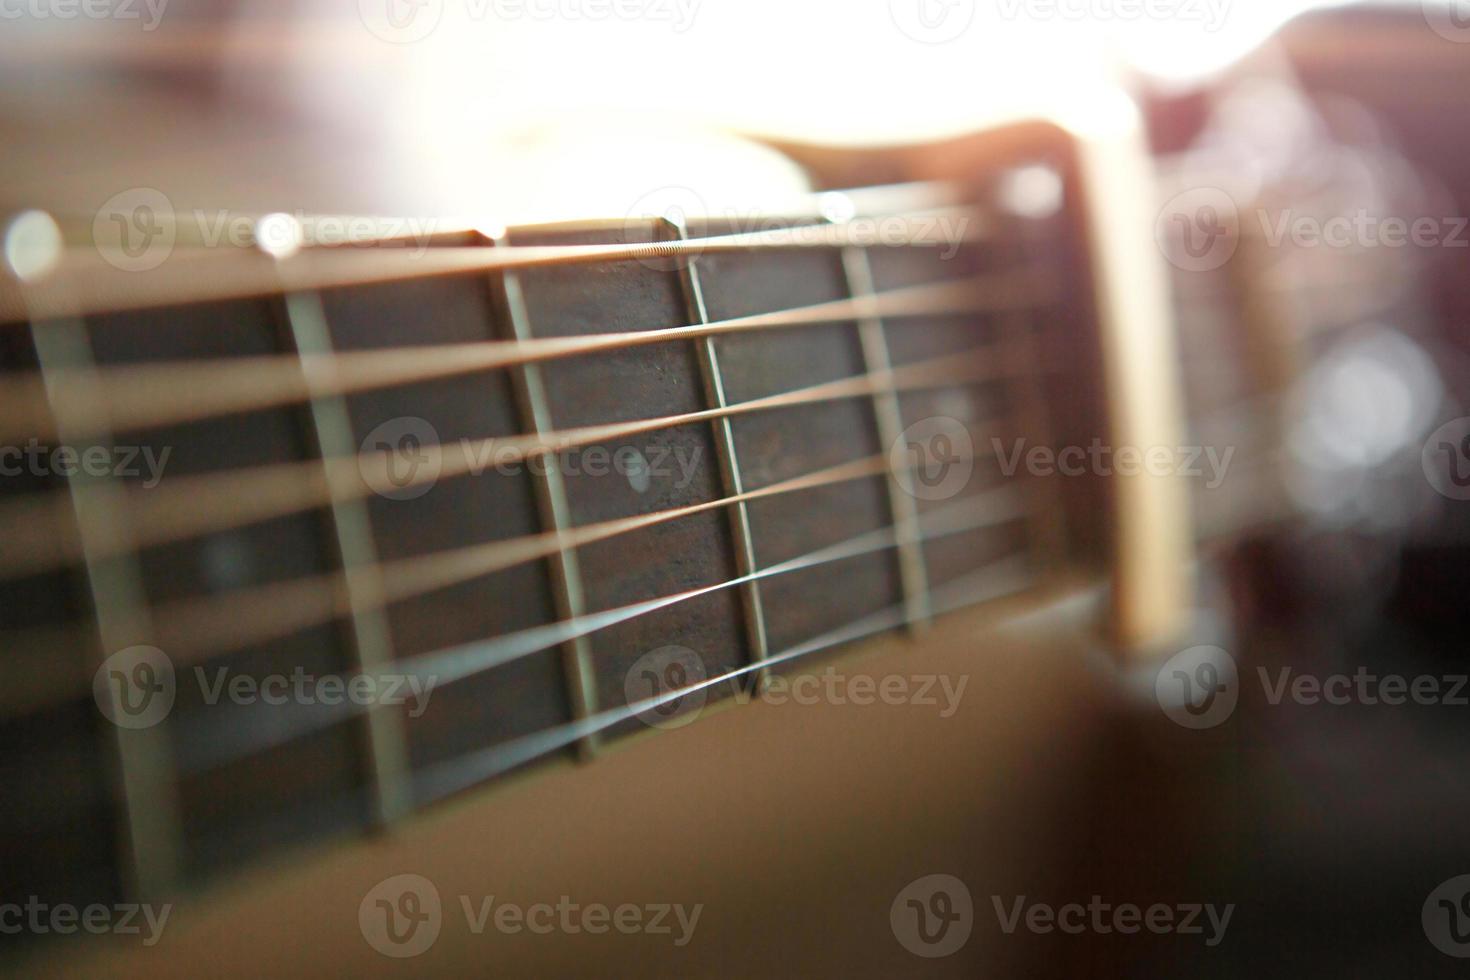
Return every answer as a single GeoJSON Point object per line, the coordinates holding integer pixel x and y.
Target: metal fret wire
{"type": "Point", "coordinates": [372, 642]}
{"type": "Point", "coordinates": [556, 516]}
{"type": "Point", "coordinates": [149, 808]}
{"type": "Point", "coordinates": [584, 730]}
{"type": "Point", "coordinates": [724, 438]}
{"type": "Point", "coordinates": [902, 507]}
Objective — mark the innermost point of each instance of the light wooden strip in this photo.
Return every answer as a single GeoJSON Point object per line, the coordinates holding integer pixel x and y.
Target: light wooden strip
{"type": "Point", "coordinates": [752, 607]}
{"type": "Point", "coordinates": [148, 796]}
{"type": "Point", "coordinates": [1154, 548]}
{"type": "Point", "coordinates": [904, 510]}
{"type": "Point", "coordinates": [372, 643]}
{"type": "Point", "coordinates": [556, 516]}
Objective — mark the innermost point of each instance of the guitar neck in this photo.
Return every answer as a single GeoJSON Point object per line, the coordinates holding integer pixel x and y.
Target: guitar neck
{"type": "Point", "coordinates": [530, 496]}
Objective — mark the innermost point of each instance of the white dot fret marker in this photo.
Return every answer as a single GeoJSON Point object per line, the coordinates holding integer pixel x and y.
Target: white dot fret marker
{"type": "Point", "coordinates": [1032, 192]}
{"type": "Point", "coordinates": [33, 244]}
{"type": "Point", "coordinates": [279, 235]}
{"type": "Point", "coordinates": [228, 563]}
{"type": "Point", "coordinates": [837, 207]}
{"type": "Point", "coordinates": [637, 471]}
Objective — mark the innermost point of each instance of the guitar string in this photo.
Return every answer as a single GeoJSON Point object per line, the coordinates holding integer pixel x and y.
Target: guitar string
{"type": "Point", "coordinates": [233, 742]}
{"type": "Point", "coordinates": [1000, 579]}
{"type": "Point", "coordinates": [210, 503]}
{"type": "Point", "coordinates": [866, 307]}
{"type": "Point", "coordinates": [176, 392]}
{"type": "Point", "coordinates": [198, 629]}
{"type": "Point", "coordinates": [870, 624]}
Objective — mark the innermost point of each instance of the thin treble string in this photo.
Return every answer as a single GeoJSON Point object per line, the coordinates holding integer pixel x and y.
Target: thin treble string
{"type": "Point", "coordinates": [991, 509]}
{"type": "Point", "coordinates": [1002, 578]}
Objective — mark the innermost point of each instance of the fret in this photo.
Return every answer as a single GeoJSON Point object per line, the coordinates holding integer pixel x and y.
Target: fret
{"type": "Point", "coordinates": [234, 812]}
{"type": "Point", "coordinates": [859, 274]}
{"type": "Point", "coordinates": [372, 643]}
{"type": "Point", "coordinates": [983, 409]}
{"type": "Point", "coordinates": [61, 831]}
{"type": "Point", "coordinates": [786, 443]}
{"type": "Point", "coordinates": [775, 371]}
{"type": "Point", "coordinates": [148, 795]}
{"type": "Point", "coordinates": [733, 481]}
{"type": "Point", "coordinates": [570, 593]}
{"type": "Point", "coordinates": [654, 468]}
{"type": "Point", "coordinates": [996, 580]}
{"type": "Point", "coordinates": [453, 512]}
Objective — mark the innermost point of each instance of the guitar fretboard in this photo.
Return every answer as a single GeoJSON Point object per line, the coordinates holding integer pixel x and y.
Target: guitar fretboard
{"type": "Point", "coordinates": [512, 485]}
